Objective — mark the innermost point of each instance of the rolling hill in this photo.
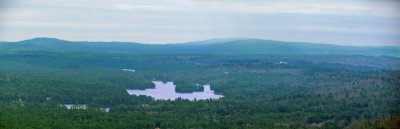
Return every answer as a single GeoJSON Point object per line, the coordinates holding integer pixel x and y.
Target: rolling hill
{"type": "Point", "coordinates": [220, 46]}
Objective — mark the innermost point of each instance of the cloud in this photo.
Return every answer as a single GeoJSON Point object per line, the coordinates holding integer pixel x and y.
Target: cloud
{"type": "Point", "coordinates": [156, 21]}
{"type": "Point", "coordinates": [377, 8]}
{"type": "Point", "coordinates": [336, 29]}
{"type": "Point", "coordinates": [130, 7]}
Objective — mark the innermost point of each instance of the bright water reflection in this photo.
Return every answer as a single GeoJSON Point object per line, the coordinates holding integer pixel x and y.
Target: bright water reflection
{"type": "Point", "coordinates": [166, 91]}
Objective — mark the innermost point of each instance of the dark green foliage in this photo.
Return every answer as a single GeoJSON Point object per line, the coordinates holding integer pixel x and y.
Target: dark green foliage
{"type": "Point", "coordinates": [260, 91]}
{"type": "Point", "coordinates": [187, 87]}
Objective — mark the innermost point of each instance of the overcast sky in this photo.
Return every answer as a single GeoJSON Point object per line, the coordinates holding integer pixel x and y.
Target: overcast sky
{"type": "Point", "coordinates": [343, 22]}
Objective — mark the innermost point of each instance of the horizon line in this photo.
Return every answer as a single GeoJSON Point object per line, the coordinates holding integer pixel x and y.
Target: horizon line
{"type": "Point", "coordinates": [204, 40]}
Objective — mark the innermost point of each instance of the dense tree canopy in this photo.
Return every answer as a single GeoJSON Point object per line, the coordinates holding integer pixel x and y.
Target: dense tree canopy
{"type": "Point", "coordinates": [260, 90]}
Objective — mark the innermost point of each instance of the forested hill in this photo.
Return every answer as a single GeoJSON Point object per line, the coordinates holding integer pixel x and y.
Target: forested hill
{"type": "Point", "coordinates": [265, 85]}
{"type": "Point", "coordinates": [221, 46]}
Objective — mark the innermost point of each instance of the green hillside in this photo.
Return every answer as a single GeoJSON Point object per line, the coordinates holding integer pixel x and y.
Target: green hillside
{"type": "Point", "coordinates": [265, 84]}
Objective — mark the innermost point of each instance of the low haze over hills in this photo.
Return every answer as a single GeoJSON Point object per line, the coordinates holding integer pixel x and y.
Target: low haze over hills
{"type": "Point", "coordinates": [222, 46]}
{"type": "Point", "coordinates": [199, 64]}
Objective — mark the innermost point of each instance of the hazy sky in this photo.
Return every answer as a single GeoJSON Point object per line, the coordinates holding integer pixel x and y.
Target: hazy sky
{"type": "Point", "coordinates": [344, 22]}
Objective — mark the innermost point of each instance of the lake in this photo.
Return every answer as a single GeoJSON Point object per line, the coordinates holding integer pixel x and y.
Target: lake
{"type": "Point", "coordinates": [166, 91]}
{"type": "Point", "coordinates": [128, 70]}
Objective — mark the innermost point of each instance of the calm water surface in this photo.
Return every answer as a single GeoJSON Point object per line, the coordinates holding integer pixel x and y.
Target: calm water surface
{"type": "Point", "coordinates": [166, 91]}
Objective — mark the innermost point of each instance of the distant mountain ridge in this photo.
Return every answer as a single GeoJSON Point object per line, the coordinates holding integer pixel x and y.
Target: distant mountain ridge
{"type": "Point", "coordinates": [43, 40]}
{"type": "Point", "coordinates": [222, 46]}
